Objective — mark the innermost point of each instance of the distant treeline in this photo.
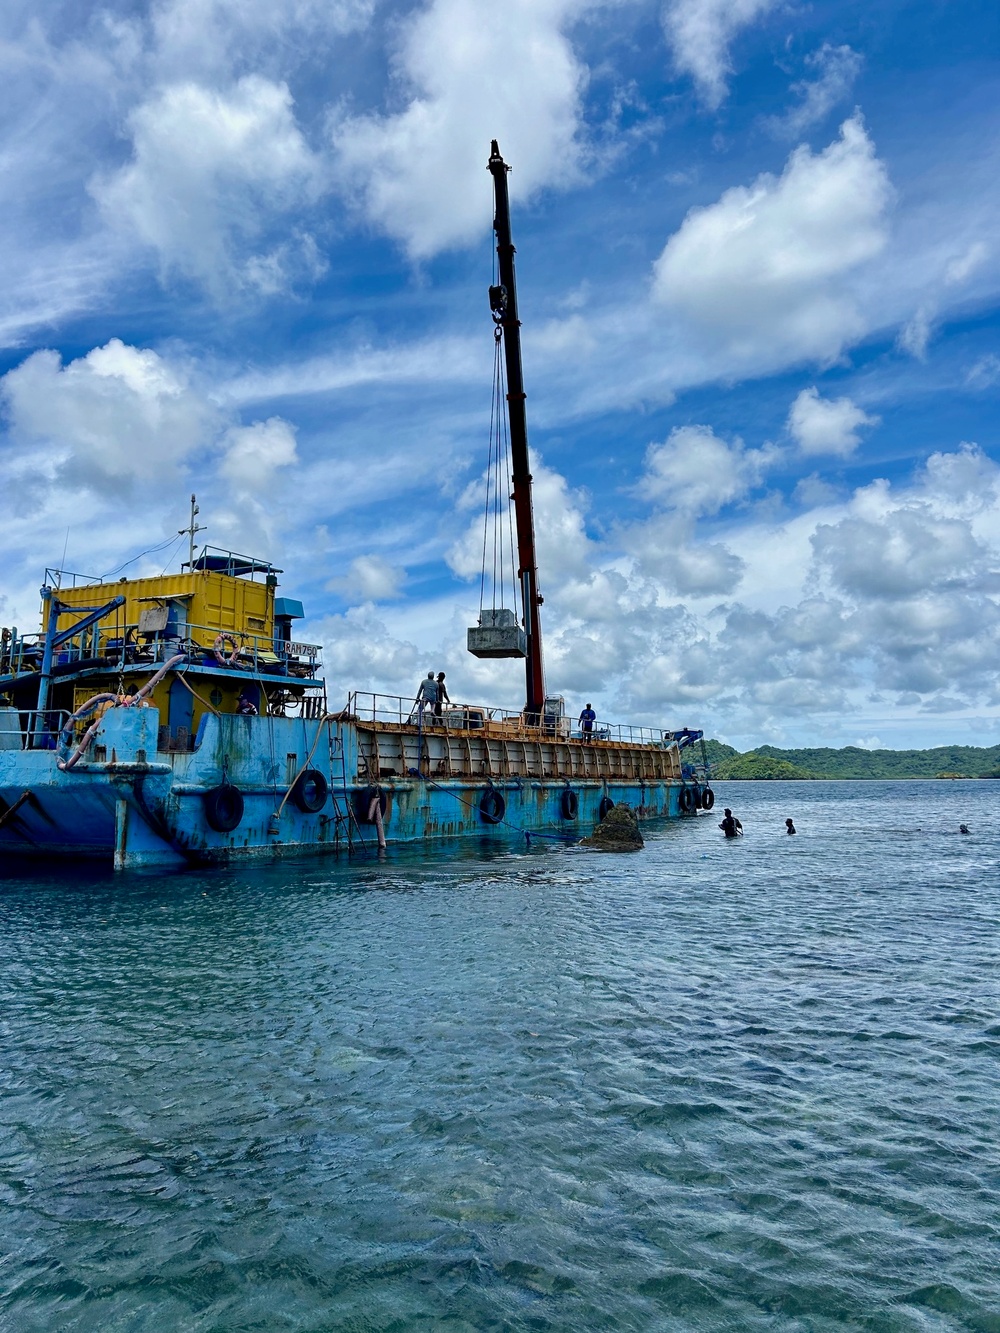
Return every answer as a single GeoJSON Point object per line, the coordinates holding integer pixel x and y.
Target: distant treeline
{"type": "Point", "coordinates": [767, 762]}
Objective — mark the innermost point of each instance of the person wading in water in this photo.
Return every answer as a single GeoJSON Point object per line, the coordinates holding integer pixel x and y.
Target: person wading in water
{"type": "Point", "coordinates": [730, 825]}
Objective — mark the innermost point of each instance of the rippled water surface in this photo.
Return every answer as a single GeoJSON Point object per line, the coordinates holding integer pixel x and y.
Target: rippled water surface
{"type": "Point", "coordinates": [706, 1086]}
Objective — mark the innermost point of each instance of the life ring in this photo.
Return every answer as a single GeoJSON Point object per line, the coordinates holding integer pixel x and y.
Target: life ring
{"type": "Point", "coordinates": [569, 804]}
{"type": "Point", "coordinates": [310, 791]}
{"type": "Point", "coordinates": [224, 807]}
{"type": "Point", "coordinates": [492, 807]}
{"type": "Point", "coordinates": [707, 798]}
{"type": "Point", "coordinates": [686, 800]}
{"type": "Point", "coordinates": [220, 656]}
{"type": "Point", "coordinates": [606, 804]}
{"type": "Point", "coordinates": [363, 800]}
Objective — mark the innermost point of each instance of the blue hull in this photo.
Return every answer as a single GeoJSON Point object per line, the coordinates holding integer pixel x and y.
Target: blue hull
{"type": "Point", "coordinates": [130, 804]}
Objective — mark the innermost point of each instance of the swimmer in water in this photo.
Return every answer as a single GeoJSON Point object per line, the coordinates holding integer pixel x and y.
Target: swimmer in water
{"type": "Point", "coordinates": [730, 825]}
{"type": "Point", "coordinates": [963, 828]}
{"type": "Point", "coordinates": [789, 827]}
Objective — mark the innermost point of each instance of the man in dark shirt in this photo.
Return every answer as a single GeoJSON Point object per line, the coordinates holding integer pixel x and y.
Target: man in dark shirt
{"type": "Point", "coordinates": [587, 718]}
{"type": "Point", "coordinates": [730, 825]}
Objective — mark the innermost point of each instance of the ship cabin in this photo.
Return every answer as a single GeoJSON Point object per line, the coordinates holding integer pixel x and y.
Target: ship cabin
{"type": "Point", "coordinates": [221, 617]}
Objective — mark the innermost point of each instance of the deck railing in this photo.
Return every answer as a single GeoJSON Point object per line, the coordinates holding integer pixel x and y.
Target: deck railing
{"type": "Point", "coordinates": [389, 708]}
{"type": "Point", "coordinates": [124, 646]}
{"type": "Point", "coordinates": [27, 729]}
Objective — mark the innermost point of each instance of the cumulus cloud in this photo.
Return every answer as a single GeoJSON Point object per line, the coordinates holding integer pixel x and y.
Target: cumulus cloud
{"type": "Point", "coordinates": [208, 38]}
{"type": "Point", "coordinates": [359, 647]}
{"type": "Point", "coordinates": [666, 550]}
{"type": "Point", "coordinates": [696, 472]}
{"type": "Point", "coordinates": [254, 453]}
{"type": "Point", "coordinates": [766, 265]}
{"type": "Point", "coordinates": [835, 69]}
{"type": "Point", "coordinates": [470, 73]}
{"type": "Point", "coordinates": [700, 32]}
{"type": "Point", "coordinates": [827, 425]}
{"type": "Point", "coordinates": [560, 529]}
{"type": "Point", "coordinates": [903, 551]}
{"type": "Point", "coordinates": [369, 578]}
{"type": "Point", "coordinates": [210, 172]}
{"type": "Point", "coordinates": [116, 416]}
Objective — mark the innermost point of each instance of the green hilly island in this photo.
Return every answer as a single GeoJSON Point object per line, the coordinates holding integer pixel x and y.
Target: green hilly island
{"type": "Point", "coordinates": [767, 762]}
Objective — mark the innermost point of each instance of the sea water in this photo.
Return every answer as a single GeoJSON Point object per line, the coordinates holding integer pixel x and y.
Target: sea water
{"type": "Point", "coordinates": [709, 1085]}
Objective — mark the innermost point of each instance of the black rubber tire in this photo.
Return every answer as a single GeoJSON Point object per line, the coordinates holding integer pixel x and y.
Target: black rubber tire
{"type": "Point", "coordinates": [606, 804]}
{"type": "Point", "coordinates": [363, 803]}
{"type": "Point", "coordinates": [310, 791]}
{"type": "Point", "coordinates": [492, 807]}
{"type": "Point", "coordinates": [569, 805]}
{"type": "Point", "coordinates": [224, 808]}
{"type": "Point", "coordinates": [707, 798]}
{"type": "Point", "coordinates": [686, 800]}
{"type": "Point", "coordinates": [697, 798]}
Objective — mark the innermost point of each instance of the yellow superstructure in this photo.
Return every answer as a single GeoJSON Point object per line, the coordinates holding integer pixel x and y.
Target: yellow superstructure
{"type": "Point", "coordinates": [204, 604]}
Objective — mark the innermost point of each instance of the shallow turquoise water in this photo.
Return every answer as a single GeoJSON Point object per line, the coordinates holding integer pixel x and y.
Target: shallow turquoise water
{"type": "Point", "coordinates": [708, 1086]}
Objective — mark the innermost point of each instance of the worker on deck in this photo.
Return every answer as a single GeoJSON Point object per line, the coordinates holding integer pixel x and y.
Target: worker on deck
{"type": "Point", "coordinates": [245, 706]}
{"type": "Point", "coordinates": [442, 695]}
{"type": "Point", "coordinates": [427, 694]}
{"type": "Point", "coordinates": [730, 825]}
{"type": "Point", "coordinates": [587, 719]}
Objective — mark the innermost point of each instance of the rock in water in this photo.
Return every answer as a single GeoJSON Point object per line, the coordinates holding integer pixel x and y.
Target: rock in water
{"type": "Point", "coordinates": [617, 832]}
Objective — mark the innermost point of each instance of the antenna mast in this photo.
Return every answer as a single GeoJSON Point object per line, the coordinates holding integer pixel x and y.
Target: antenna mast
{"type": "Point", "coordinates": [191, 530]}
{"type": "Point", "coordinates": [503, 302]}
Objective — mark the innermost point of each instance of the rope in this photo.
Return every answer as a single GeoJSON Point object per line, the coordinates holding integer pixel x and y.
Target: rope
{"type": "Point", "coordinates": [312, 750]}
{"type": "Point", "coordinates": [181, 676]}
{"type": "Point", "coordinates": [500, 554]}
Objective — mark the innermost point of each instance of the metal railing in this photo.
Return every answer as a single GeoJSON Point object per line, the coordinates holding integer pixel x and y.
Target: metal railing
{"type": "Point", "coordinates": [389, 708]}
{"type": "Point", "coordinates": [123, 646]}
{"type": "Point", "coordinates": [30, 729]}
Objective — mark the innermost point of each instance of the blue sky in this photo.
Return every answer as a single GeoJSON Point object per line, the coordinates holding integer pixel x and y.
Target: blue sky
{"type": "Point", "coordinates": [245, 252]}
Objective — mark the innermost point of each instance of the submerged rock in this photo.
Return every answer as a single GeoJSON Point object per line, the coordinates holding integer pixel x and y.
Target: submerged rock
{"type": "Point", "coordinates": [618, 831]}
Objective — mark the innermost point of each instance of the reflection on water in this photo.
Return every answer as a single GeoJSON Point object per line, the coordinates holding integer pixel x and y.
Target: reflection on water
{"type": "Point", "coordinates": [710, 1085]}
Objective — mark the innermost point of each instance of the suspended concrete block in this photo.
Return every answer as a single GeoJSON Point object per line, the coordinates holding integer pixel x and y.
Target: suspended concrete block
{"type": "Point", "coordinates": [498, 635]}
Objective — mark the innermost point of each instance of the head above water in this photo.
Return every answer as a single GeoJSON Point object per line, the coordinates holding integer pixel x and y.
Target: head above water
{"type": "Point", "coordinates": [727, 811]}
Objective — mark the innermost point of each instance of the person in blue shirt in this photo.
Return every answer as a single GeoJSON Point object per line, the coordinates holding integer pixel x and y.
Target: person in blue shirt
{"type": "Point", "coordinates": [587, 719]}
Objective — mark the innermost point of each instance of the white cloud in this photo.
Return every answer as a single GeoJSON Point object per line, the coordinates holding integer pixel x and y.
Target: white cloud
{"type": "Point", "coordinates": [471, 73]}
{"type": "Point", "coordinates": [984, 372]}
{"type": "Point", "coordinates": [369, 578]}
{"type": "Point", "coordinates": [666, 550]}
{"type": "Point", "coordinates": [907, 550]}
{"type": "Point", "coordinates": [253, 454]}
{"type": "Point", "coordinates": [964, 265]}
{"type": "Point", "coordinates": [210, 38]}
{"type": "Point", "coordinates": [827, 425]}
{"type": "Point", "coordinates": [118, 415]}
{"type": "Point", "coordinates": [700, 32]}
{"type": "Point", "coordinates": [210, 172]}
{"type": "Point", "coordinates": [765, 267]}
{"type": "Point", "coordinates": [358, 647]}
{"type": "Point", "coordinates": [916, 334]}
{"type": "Point", "coordinates": [560, 530]}
{"type": "Point", "coordinates": [836, 68]}
{"type": "Point", "coordinates": [695, 472]}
